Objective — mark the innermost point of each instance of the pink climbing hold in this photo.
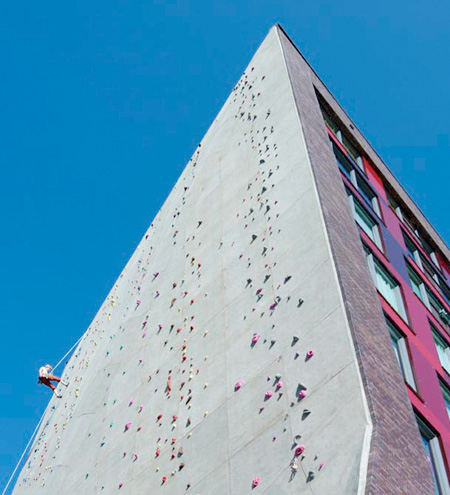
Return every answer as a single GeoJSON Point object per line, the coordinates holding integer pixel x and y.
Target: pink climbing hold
{"type": "Point", "coordinates": [299, 450]}
{"type": "Point", "coordinates": [303, 394]}
{"type": "Point", "coordinates": [310, 353]}
{"type": "Point", "coordinates": [121, 484]}
{"type": "Point", "coordinates": [136, 457]}
{"type": "Point", "coordinates": [238, 385]}
{"type": "Point", "coordinates": [255, 338]}
{"type": "Point", "coordinates": [138, 302]}
{"type": "Point", "coordinates": [131, 401]}
{"type": "Point", "coordinates": [140, 408]}
{"type": "Point", "coordinates": [279, 385]}
{"type": "Point", "coordinates": [321, 465]}
{"type": "Point", "coordinates": [255, 481]}
{"type": "Point", "coordinates": [269, 394]}
{"type": "Point", "coordinates": [127, 426]}
{"type": "Point", "coordinates": [144, 334]}
{"type": "Point", "coordinates": [258, 292]}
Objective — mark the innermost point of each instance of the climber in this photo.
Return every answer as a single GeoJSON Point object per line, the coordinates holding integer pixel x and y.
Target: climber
{"type": "Point", "coordinates": [46, 378]}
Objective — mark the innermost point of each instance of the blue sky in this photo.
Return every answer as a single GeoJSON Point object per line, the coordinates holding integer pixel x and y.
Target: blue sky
{"type": "Point", "coordinates": [103, 103]}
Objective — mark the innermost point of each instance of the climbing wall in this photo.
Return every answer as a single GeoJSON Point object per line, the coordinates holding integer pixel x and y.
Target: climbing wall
{"type": "Point", "coordinates": [221, 362]}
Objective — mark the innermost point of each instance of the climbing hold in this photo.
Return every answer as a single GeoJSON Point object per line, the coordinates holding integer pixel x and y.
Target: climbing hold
{"type": "Point", "coordinates": [268, 394]}
{"type": "Point", "coordinates": [131, 401]}
{"type": "Point", "coordinates": [159, 417]}
{"type": "Point", "coordinates": [299, 450]}
{"type": "Point", "coordinates": [164, 479]}
{"type": "Point", "coordinates": [124, 454]}
{"type": "Point", "coordinates": [121, 484]}
{"type": "Point", "coordinates": [158, 452]}
{"type": "Point", "coordinates": [238, 385]}
{"type": "Point", "coordinates": [305, 414]}
{"type": "Point", "coordinates": [321, 465]}
{"type": "Point", "coordinates": [279, 385]}
{"type": "Point", "coordinates": [255, 481]}
{"type": "Point", "coordinates": [310, 353]}
{"type": "Point", "coordinates": [255, 338]}
{"type": "Point", "coordinates": [135, 457]}
{"type": "Point", "coordinates": [127, 426]}
{"type": "Point", "coordinates": [303, 394]}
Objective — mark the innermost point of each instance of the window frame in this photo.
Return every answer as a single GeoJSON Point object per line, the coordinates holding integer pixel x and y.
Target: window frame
{"type": "Point", "coordinates": [374, 264]}
{"type": "Point", "coordinates": [436, 457]}
{"type": "Point", "coordinates": [359, 212]}
{"type": "Point", "coordinates": [437, 337]}
{"type": "Point", "coordinates": [357, 179]}
{"type": "Point", "coordinates": [402, 353]}
{"type": "Point", "coordinates": [420, 284]}
{"type": "Point", "coordinates": [446, 395]}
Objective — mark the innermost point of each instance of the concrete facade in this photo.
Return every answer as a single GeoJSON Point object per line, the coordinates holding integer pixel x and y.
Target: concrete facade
{"type": "Point", "coordinates": [189, 379]}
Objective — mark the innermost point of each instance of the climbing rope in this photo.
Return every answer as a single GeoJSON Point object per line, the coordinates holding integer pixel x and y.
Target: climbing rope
{"type": "Point", "coordinates": [67, 353]}
{"type": "Point", "coordinates": [39, 423]}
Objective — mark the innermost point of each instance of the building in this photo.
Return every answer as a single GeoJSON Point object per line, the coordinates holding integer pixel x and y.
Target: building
{"type": "Point", "coordinates": [283, 326]}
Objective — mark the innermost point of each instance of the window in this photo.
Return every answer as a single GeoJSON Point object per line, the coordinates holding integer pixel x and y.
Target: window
{"type": "Point", "coordinates": [343, 163]}
{"type": "Point", "coordinates": [386, 285]}
{"type": "Point", "coordinates": [443, 349]}
{"type": "Point", "coordinates": [393, 203]}
{"type": "Point", "coordinates": [437, 308]}
{"type": "Point", "coordinates": [411, 225]}
{"type": "Point", "coordinates": [368, 195]}
{"type": "Point", "coordinates": [336, 129]}
{"type": "Point", "coordinates": [433, 276]}
{"type": "Point", "coordinates": [434, 454]}
{"type": "Point", "coordinates": [418, 287]}
{"type": "Point", "coordinates": [358, 182]}
{"type": "Point", "coordinates": [412, 250]}
{"type": "Point", "coordinates": [401, 353]}
{"type": "Point", "coordinates": [331, 123]}
{"type": "Point", "coordinates": [364, 220]}
{"type": "Point", "coordinates": [353, 152]}
{"type": "Point", "coordinates": [446, 395]}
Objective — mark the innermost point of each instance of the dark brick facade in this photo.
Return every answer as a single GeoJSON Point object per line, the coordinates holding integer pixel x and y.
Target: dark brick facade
{"type": "Point", "coordinates": [397, 461]}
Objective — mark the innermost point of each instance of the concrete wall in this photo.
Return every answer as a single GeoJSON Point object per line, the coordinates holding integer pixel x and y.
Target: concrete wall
{"type": "Point", "coordinates": [238, 248]}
